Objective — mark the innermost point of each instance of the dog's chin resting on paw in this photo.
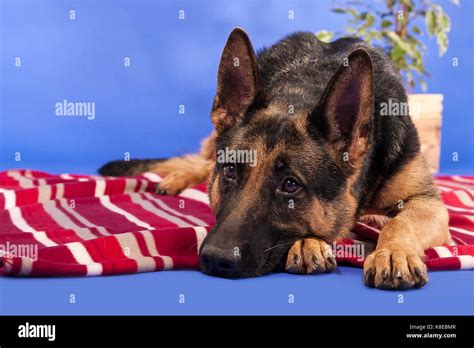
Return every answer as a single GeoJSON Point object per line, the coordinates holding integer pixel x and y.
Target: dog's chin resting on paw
{"type": "Point", "coordinates": [308, 114]}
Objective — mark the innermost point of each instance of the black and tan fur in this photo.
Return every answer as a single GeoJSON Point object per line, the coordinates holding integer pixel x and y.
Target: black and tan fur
{"type": "Point", "coordinates": [311, 111]}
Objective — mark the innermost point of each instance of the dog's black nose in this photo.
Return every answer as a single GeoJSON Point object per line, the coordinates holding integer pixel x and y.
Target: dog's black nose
{"type": "Point", "coordinates": [220, 262]}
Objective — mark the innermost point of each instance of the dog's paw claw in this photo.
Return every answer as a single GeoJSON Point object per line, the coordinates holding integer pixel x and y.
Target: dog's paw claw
{"type": "Point", "coordinates": [394, 269]}
{"type": "Point", "coordinates": [310, 256]}
{"type": "Point", "coordinates": [159, 190]}
{"type": "Point", "coordinates": [369, 277]}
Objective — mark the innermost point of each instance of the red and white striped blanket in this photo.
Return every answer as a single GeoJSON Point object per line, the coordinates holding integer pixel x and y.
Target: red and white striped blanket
{"type": "Point", "coordinates": [70, 225]}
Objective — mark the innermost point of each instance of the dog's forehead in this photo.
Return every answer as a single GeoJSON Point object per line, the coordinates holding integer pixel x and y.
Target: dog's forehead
{"type": "Point", "coordinates": [269, 128]}
{"type": "Point", "coordinates": [275, 136]}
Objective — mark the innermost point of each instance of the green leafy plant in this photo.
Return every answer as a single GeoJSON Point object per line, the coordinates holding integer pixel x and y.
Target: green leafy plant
{"type": "Point", "coordinates": [396, 26]}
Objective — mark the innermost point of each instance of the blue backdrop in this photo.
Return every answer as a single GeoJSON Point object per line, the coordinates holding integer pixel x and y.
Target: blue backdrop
{"type": "Point", "coordinates": [48, 56]}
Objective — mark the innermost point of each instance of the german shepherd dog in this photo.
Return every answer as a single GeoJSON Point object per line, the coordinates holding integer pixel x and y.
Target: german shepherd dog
{"type": "Point", "coordinates": [310, 111]}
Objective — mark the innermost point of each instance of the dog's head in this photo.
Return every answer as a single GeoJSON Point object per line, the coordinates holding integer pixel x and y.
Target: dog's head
{"type": "Point", "coordinates": [280, 178]}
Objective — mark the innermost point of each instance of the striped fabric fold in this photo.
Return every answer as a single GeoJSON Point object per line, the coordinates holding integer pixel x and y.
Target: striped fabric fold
{"type": "Point", "coordinates": [80, 225]}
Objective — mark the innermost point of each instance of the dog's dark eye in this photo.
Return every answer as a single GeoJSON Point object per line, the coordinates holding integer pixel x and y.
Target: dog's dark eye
{"type": "Point", "coordinates": [230, 171]}
{"type": "Point", "coordinates": [290, 185]}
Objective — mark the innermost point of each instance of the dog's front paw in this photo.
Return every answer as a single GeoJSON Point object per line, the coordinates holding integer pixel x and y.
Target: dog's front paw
{"type": "Point", "coordinates": [310, 256]}
{"type": "Point", "coordinates": [174, 183]}
{"type": "Point", "coordinates": [394, 268]}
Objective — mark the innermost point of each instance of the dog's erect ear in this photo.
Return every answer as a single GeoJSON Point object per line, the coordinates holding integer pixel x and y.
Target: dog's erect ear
{"type": "Point", "coordinates": [344, 113]}
{"type": "Point", "coordinates": [237, 81]}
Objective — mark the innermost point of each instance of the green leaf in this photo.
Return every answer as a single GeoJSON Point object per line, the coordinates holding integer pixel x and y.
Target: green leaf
{"type": "Point", "coordinates": [339, 10]}
{"type": "Point", "coordinates": [404, 45]}
{"type": "Point", "coordinates": [373, 35]}
{"type": "Point", "coordinates": [353, 12]}
{"type": "Point", "coordinates": [423, 85]}
{"type": "Point", "coordinates": [417, 65]}
{"type": "Point", "coordinates": [442, 40]}
{"type": "Point", "coordinates": [430, 22]}
{"type": "Point", "coordinates": [444, 21]}
{"type": "Point", "coordinates": [408, 5]}
{"type": "Point", "coordinates": [416, 29]}
{"type": "Point", "coordinates": [370, 20]}
{"type": "Point", "coordinates": [415, 42]}
{"type": "Point", "coordinates": [385, 23]}
{"type": "Point", "coordinates": [325, 36]}
{"type": "Point", "coordinates": [397, 54]}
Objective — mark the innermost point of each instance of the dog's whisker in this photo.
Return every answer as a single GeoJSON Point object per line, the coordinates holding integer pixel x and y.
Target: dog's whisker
{"type": "Point", "coordinates": [277, 246]}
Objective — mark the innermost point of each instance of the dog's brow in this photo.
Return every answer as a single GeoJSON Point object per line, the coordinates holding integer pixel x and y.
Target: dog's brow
{"type": "Point", "coordinates": [284, 161]}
